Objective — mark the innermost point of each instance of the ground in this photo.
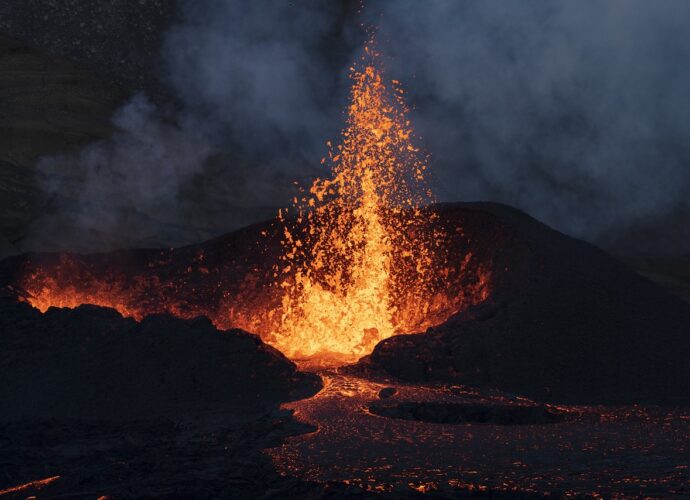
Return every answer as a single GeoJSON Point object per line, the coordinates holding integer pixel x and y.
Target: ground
{"type": "Point", "coordinates": [335, 446]}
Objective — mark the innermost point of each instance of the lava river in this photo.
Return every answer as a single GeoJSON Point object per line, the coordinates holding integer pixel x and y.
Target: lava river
{"type": "Point", "coordinates": [575, 450]}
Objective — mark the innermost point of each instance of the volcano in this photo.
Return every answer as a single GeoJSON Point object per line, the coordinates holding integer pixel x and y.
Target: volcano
{"type": "Point", "coordinates": [559, 319]}
{"type": "Point", "coordinates": [363, 258]}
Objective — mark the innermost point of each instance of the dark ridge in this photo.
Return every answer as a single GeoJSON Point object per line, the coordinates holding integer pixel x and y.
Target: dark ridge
{"type": "Point", "coordinates": [91, 363]}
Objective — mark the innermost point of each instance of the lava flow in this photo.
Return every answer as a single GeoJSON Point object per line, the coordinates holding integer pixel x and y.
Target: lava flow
{"type": "Point", "coordinates": [359, 257]}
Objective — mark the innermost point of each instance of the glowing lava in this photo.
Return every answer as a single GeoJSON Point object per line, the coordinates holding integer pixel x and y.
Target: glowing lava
{"type": "Point", "coordinates": [359, 257]}
{"type": "Point", "coordinates": [369, 249]}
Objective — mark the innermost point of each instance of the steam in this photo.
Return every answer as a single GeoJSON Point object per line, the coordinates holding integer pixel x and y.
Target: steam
{"type": "Point", "coordinates": [256, 98]}
{"type": "Point", "coordinates": [577, 112]}
{"type": "Point", "coordinates": [259, 70]}
{"type": "Point", "coordinates": [115, 191]}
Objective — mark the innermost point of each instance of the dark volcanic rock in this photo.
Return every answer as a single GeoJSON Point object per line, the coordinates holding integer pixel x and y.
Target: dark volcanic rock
{"type": "Point", "coordinates": [565, 322]}
{"type": "Point", "coordinates": [453, 413]}
{"type": "Point", "coordinates": [387, 392]}
{"type": "Point", "coordinates": [91, 363]}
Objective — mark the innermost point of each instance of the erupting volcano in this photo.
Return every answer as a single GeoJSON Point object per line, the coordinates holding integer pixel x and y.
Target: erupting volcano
{"type": "Point", "coordinates": [366, 340]}
{"type": "Point", "coordinates": [360, 257]}
{"type": "Point", "coordinates": [370, 264]}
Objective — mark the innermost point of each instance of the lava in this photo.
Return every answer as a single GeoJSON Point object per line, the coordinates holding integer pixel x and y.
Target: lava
{"type": "Point", "coordinates": [365, 269]}
{"type": "Point", "coordinates": [360, 256]}
{"type": "Point", "coordinates": [602, 445]}
{"type": "Point", "coordinates": [32, 485]}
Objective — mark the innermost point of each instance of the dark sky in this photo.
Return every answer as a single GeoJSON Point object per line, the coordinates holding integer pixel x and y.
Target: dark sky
{"type": "Point", "coordinates": [576, 111]}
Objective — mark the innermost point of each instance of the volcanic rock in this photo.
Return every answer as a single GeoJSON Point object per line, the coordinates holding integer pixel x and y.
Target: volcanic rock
{"type": "Point", "coordinates": [387, 392]}
{"type": "Point", "coordinates": [564, 322]}
{"type": "Point", "coordinates": [453, 413]}
{"type": "Point", "coordinates": [91, 363]}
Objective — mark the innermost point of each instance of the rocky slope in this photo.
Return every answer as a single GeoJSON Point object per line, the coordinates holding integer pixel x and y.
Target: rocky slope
{"type": "Point", "coordinates": [565, 322]}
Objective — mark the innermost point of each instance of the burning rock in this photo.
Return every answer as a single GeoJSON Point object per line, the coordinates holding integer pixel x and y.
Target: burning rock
{"type": "Point", "coordinates": [367, 261]}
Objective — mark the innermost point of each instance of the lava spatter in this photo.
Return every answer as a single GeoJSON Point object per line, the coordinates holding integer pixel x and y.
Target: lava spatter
{"type": "Point", "coordinates": [360, 256]}
{"type": "Point", "coordinates": [368, 263]}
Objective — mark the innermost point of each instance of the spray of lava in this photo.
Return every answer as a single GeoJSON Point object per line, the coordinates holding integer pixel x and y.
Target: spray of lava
{"type": "Point", "coordinates": [360, 256]}
{"type": "Point", "coordinates": [368, 249]}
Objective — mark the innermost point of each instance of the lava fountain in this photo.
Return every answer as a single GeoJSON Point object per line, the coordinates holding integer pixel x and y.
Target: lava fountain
{"type": "Point", "coordinates": [365, 269]}
{"type": "Point", "coordinates": [361, 255]}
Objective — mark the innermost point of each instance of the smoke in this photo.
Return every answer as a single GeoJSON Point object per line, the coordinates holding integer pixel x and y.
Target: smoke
{"type": "Point", "coordinates": [117, 190]}
{"type": "Point", "coordinates": [577, 112]}
{"type": "Point", "coordinates": [269, 72]}
{"type": "Point", "coordinates": [258, 88]}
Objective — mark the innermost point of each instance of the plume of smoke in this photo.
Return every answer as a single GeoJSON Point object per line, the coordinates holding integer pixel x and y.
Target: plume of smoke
{"type": "Point", "coordinates": [263, 71]}
{"type": "Point", "coordinates": [116, 191]}
{"type": "Point", "coordinates": [577, 112]}
{"type": "Point", "coordinates": [257, 99]}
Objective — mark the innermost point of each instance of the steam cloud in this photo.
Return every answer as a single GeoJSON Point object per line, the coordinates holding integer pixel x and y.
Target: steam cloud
{"type": "Point", "coordinates": [577, 112]}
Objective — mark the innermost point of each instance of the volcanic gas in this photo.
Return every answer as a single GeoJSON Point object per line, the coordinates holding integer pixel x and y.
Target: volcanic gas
{"type": "Point", "coordinates": [357, 258]}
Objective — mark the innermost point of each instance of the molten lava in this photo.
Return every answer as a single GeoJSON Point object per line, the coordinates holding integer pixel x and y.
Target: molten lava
{"type": "Point", "coordinates": [363, 271]}
{"type": "Point", "coordinates": [359, 257]}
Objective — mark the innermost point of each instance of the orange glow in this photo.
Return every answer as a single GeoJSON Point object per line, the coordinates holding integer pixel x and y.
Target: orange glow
{"type": "Point", "coordinates": [33, 485]}
{"type": "Point", "coordinates": [364, 270]}
{"type": "Point", "coordinates": [359, 257]}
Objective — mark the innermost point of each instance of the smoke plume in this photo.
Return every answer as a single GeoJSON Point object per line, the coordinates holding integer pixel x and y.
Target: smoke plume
{"type": "Point", "coordinates": [577, 112]}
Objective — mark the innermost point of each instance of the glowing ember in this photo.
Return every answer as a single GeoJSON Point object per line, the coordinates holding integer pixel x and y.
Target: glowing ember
{"type": "Point", "coordinates": [359, 257]}
{"type": "Point", "coordinates": [363, 271]}
{"type": "Point", "coordinates": [33, 485]}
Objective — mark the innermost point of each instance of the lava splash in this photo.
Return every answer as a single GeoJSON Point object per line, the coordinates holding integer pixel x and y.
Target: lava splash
{"type": "Point", "coordinates": [370, 265]}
